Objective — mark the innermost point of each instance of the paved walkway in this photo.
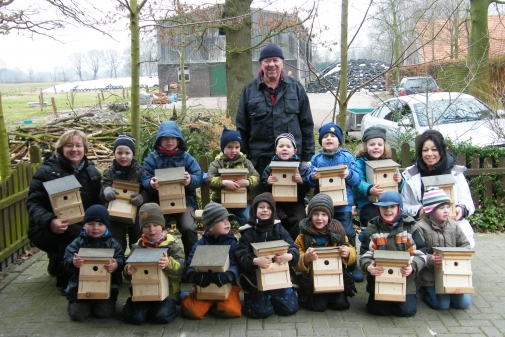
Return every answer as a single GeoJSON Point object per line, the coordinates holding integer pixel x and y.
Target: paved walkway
{"type": "Point", "coordinates": [30, 305]}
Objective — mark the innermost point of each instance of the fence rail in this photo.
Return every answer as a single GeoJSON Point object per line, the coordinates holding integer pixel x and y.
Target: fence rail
{"type": "Point", "coordinates": [14, 194]}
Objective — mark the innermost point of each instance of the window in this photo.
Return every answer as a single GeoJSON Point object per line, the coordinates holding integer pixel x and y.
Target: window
{"type": "Point", "coordinates": [186, 74]}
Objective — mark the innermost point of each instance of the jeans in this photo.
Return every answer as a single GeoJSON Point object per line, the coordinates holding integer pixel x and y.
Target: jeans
{"type": "Point", "coordinates": [262, 304]}
{"type": "Point", "coordinates": [387, 308]}
{"type": "Point", "coordinates": [241, 214]}
{"type": "Point", "coordinates": [444, 301]}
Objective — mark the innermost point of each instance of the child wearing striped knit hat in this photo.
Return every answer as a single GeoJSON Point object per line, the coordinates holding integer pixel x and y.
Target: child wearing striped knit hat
{"type": "Point", "coordinates": [438, 230]}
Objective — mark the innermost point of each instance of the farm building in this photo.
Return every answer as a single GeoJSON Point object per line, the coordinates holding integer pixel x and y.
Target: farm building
{"type": "Point", "coordinates": [205, 56]}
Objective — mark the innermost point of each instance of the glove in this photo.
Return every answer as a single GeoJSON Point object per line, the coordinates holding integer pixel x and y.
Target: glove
{"type": "Point", "coordinates": [137, 199]}
{"type": "Point", "coordinates": [349, 287]}
{"type": "Point", "coordinates": [222, 278]}
{"type": "Point", "coordinates": [201, 279]}
{"type": "Point", "coordinates": [109, 193]}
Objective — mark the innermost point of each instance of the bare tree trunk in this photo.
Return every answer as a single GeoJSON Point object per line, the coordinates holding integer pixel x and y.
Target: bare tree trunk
{"type": "Point", "coordinates": [183, 76]}
{"type": "Point", "coordinates": [238, 53]}
{"type": "Point", "coordinates": [342, 84]}
{"type": "Point", "coordinates": [478, 53]}
{"type": "Point", "coordinates": [5, 160]}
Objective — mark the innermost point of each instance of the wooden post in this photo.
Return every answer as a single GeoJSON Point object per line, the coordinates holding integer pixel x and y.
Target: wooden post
{"type": "Point", "coordinates": [55, 110]}
{"type": "Point", "coordinates": [103, 98]}
{"type": "Point", "coordinates": [72, 95]}
{"type": "Point", "coordinates": [124, 93]}
{"type": "Point", "coordinates": [99, 101]}
{"type": "Point", "coordinates": [41, 100]}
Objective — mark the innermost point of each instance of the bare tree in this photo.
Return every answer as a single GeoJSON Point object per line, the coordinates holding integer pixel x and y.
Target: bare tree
{"type": "Point", "coordinates": [112, 60]}
{"type": "Point", "coordinates": [93, 59]}
{"type": "Point", "coordinates": [31, 72]}
{"type": "Point", "coordinates": [77, 60]}
{"type": "Point", "coordinates": [148, 56]}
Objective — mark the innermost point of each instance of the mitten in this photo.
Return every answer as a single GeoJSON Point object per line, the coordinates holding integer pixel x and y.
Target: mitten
{"type": "Point", "coordinates": [137, 199]}
{"type": "Point", "coordinates": [109, 193]}
{"type": "Point", "coordinates": [222, 278]}
{"type": "Point", "coordinates": [201, 279]}
{"type": "Point", "coordinates": [349, 287]}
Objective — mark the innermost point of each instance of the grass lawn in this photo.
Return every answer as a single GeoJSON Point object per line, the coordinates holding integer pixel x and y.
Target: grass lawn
{"type": "Point", "coordinates": [15, 98]}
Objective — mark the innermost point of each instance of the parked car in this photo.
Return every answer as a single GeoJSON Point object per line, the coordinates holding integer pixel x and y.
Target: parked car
{"type": "Point", "coordinates": [416, 85]}
{"type": "Point", "coordinates": [457, 116]}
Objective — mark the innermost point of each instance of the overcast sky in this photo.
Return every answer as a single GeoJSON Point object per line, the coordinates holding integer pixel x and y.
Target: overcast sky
{"type": "Point", "coordinates": [43, 53]}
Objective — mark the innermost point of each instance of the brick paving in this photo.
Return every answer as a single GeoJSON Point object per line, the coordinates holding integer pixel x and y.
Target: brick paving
{"type": "Point", "coordinates": [30, 305]}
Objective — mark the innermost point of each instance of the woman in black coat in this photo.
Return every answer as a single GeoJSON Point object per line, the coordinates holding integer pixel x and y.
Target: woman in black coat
{"type": "Point", "coordinates": [45, 231]}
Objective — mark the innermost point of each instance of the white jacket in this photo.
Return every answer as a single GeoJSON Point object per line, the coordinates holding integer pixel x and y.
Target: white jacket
{"type": "Point", "coordinates": [412, 197]}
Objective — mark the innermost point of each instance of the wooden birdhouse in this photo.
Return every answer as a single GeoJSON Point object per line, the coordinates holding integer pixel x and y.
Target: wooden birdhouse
{"type": "Point", "coordinates": [445, 182]}
{"type": "Point", "coordinates": [94, 279]}
{"type": "Point", "coordinates": [276, 276]}
{"type": "Point", "coordinates": [212, 259]}
{"type": "Point", "coordinates": [331, 184]}
{"type": "Point", "coordinates": [171, 191]}
{"type": "Point", "coordinates": [121, 209]}
{"type": "Point", "coordinates": [149, 283]}
{"type": "Point", "coordinates": [66, 198]}
{"type": "Point", "coordinates": [381, 172]}
{"type": "Point", "coordinates": [391, 285]}
{"type": "Point", "coordinates": [285, 189]}
{"type": "Point", "coordinates": [237, 198]}
{"type": "Point", "coordinates": [327, 270]}
{"type": "Point", "coordinates": [455, 274]}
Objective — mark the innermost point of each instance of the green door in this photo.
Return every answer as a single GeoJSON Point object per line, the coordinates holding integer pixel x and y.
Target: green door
{"type": "Point", "coordinates": [218, 80]}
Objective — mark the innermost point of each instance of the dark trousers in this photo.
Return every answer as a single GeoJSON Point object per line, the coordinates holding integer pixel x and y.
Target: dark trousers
{"type": "Point", "coordinates": [262, 304]}
{"type": "Point", "coordinates": [388, 308]}
{"type": "Point", "coordinates": [320, 302]}
{"type": "Point", "coordinates": [120, 231]}
{"type": "Point", "coordinates": [161, 312]}
{"type": "Point", "coordinates": [186, 225]}
{"type": "Point", "coordinates": [259, 163]}
{"type": "Point", "coordinates": [345, 219]}
{"type": "Point", "coordinates": [367, 213]}
{"type": "Point", "coordinates": [290, 214]}
{"type": "Point", "coordinates": [80, 309]}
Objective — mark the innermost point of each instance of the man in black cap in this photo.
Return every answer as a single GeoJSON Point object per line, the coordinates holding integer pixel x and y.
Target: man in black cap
{"type": "Point", "coordinates": [270, 105]}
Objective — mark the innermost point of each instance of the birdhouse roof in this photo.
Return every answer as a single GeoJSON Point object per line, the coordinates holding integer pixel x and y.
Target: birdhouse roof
{"type": "Point", "coordinates": [383, 163]}
{"type": "Point", "coordinates": [208, 256]}
{"type": "Point", "coordinates": [148, 255]}
{"type": "Point", "coordinates": [443, 179]}
{"type": "Point", "coordinates": [96, 252]}
{"type": "Point", "coordinates": [170, 174]}
{"type": "Point", "coordinates": [61, 184]}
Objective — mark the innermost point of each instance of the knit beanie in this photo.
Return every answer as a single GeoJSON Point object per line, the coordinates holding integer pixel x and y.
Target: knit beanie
{"type": "Point", "coordinates": [330, 127]}
{"type": "Point", "coordinates": [126, 140]}
{"type": "Point", "coordinates": [267, 197]}
{"type": "Point", "coordinates": [97, 213]}
{"type": "Point", "coordinates": [213, 213]}
{"type": "Point", "coordinates": [271, 50]}
{"type": "Point", "coordinates": [151, 212]}
{"type": "Point", "coordinates": [230, 136]}
{"type": "Point", "coordinates": [434, 198]}
{"type": "Point", "coordinates": [373, 132]}
{"type": "Point", "coordinates": [288, 136]}
{"type": "Point", "coordinates": [321, 202]}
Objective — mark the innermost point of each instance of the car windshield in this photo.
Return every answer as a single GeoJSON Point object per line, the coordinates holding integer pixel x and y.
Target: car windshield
{"type": "Point", "coordinates": [422, 83]}
{"type": "Point", "coordinates": [451, 111]}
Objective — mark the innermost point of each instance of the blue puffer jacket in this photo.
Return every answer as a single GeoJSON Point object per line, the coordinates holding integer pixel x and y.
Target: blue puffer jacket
{"type": "Point", "coordinates": [341, 157]}
{"type": "Point", "coordinates": [159, 160]}
{"type": "Point", "coordinates": [222, 240]}
{"type": "Point", "coordinates": [360, 192]}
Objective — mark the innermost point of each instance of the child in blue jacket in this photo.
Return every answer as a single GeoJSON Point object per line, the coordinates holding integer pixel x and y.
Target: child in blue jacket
{"type": "Point", "coordinates": [332, 154]}
{"type": "Point", "coordinates": [170, 151]}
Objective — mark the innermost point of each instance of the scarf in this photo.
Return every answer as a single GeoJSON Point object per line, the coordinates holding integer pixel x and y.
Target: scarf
{"type": "Point", "coordinates": [333, 231]}
{"type": "Point", "coordinates": [121, 170]}
{"type": "Point", "coordinates": [329, 154]}
{"type": "Point", "coordinates": [79, 167]}
{"type": "Point", "coordinates": [444, 166]}
{"type": "Point", "coordinates": [262, 226]}
{"type": "Point", "coordinates": [153, 244]}
{"type": "Point", "coordinates": [168, 153]}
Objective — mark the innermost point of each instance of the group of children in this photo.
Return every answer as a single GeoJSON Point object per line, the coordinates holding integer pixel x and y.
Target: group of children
{"type": "Point", "coordinates": [384, 228]}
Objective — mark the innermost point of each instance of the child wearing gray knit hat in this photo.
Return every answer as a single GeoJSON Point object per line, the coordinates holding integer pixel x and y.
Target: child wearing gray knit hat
{"type": "Point", "coordinates": [214, 213]}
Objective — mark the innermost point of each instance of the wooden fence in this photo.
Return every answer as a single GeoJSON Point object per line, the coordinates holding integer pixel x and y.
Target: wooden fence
{"type": "Point", "coordinates": [14, 193]}
{"type": "Point", "coordinates": [13, 213]}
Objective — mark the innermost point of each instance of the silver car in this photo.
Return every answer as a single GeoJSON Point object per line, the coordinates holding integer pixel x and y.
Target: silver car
{"type": "Point", "coordinates": [458, 116]}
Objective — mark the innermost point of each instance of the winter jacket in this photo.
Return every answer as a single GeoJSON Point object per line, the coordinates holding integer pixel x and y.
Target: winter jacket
{"type": "Point", "coordinates": [39, 204]}
{"type": "Point", "coordinates": [302, 267]}
{"type": "Point", "coordinates": [132, 174]}
{"type": "Point", "coordinates": [341, 157]}
{"type": "Point", "coordinates": [85, 241]}
{"type": "Point", "coordinates": [259, 121]}
{"type": "Point", "coordinates": [449, 235]}
{"type": "Point", "coordinates": [222, 240]}
{"type": "Point", "coordinates": [222, 162]}
{"type": "Point", "coordinates": [159, 160]}
{"type": "Point", "coordinates": [412, 196]}
{"type": "Point", "coordinates": [404, 236]}
{"type": "Point", "coordinates": [360, 192]}
{"type": "Point", "coordinates": [175, 268]}
{"type": "Point", "coordinates": [244, 253]}
{"type": "Point", "coordinates": [301, 189]}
